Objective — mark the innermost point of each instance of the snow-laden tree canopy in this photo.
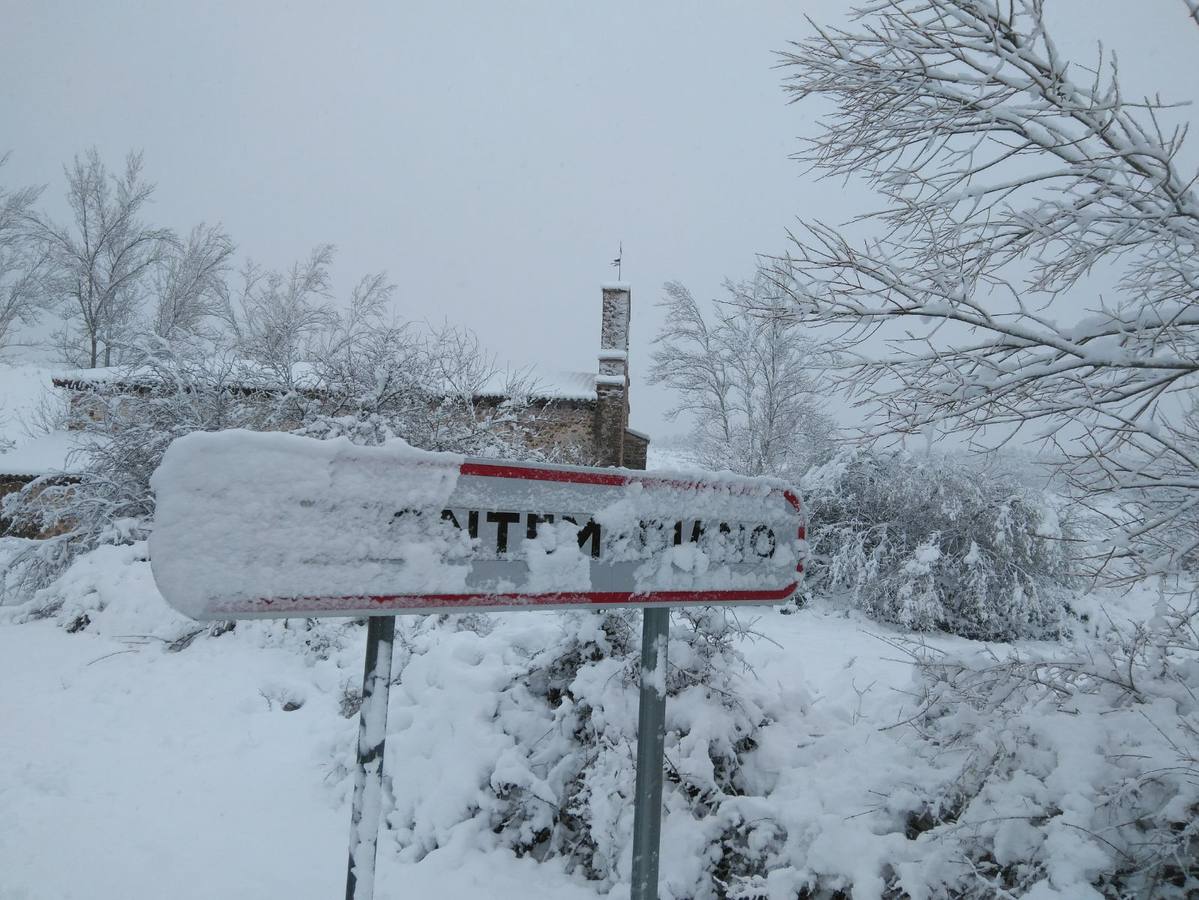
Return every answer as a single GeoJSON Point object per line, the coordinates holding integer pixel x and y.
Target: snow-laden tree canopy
{"type": "Point", "coordinates": [1016, 184]}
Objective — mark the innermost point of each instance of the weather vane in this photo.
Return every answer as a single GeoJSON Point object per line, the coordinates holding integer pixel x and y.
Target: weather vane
{"type": "Point", "coordinates": [619, 255]}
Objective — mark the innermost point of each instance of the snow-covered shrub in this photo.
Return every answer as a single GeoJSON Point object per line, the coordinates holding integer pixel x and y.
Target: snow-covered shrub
{"type": "Point", "coordinates": [1045, 771]}
{"type": "Point", "coordinates": [930, 542]}
{"type": "Point", "coordinates": [1078, 768]}
{"type": "Point", "coordinates": [545, 719]}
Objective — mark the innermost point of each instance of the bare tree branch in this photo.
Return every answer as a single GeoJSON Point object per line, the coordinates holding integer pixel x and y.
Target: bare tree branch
{"type": "Point", "coordinates": [97, 265]}
{"type": "Point", "coordinates": [22, 265]}
{"type": "Point", "coordinates": [1014, 182]}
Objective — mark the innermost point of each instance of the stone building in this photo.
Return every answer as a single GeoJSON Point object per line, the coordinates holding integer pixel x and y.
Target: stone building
{"type": "Point", "coordinates": [582, 415]}
{"type": "Point", "coordinates": [586, 415]}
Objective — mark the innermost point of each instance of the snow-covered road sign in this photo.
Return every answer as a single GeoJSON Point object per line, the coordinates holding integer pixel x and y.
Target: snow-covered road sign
{"type": "Point", "coordinates": [253, 525]}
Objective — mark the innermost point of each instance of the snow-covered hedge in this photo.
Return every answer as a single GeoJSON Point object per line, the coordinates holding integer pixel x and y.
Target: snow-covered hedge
{"type": "Point", "coordinates": [1049, 771]}
{"type": "Point", "coordinates": [932, 543]}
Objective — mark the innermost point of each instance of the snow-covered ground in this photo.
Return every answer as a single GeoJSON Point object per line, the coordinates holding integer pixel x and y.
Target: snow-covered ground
{"type": "Point", "coordinates": [130, 771]}
{"type": "Point", "coordinates": [22, 390]}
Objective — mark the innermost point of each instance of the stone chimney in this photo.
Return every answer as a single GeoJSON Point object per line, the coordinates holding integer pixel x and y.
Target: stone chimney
{"type": "Point", "coordinates": [612, 383]}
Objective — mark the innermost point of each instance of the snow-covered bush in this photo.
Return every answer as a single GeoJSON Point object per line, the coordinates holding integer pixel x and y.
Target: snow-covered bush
{"type": "Point", "coordinates": [436, 390]}
{"type": "Point", "coordinates": [1077, 770]}
{"type": "Point", "coordinates": [545, 722]}
{"type": "Point", "coordinates": [930, 542]}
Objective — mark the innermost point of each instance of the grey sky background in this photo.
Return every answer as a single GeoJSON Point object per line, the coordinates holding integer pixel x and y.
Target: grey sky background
{"type": "Point", "coordinates": [488, 156]}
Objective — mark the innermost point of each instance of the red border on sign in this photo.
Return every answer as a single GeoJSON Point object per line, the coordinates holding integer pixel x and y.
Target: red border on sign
{"type": "Point", "coordinates": [574, 476]}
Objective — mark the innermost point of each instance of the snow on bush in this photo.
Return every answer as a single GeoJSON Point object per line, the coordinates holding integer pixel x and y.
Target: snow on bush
{"type": "Point", "coordinates": [929, 542]}
{"type": "Point", "coordinates": [1048, 771]}
{"type": "Point", "coordinates": [1075, 771]}
{"type": "Point", "coordinates": [539, 716]}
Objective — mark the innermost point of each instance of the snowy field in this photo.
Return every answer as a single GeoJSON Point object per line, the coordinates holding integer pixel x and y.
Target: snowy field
{"type": "Point", "coordinates": [130, 771]}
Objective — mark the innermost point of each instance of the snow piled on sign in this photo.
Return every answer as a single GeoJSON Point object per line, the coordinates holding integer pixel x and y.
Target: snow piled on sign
{"type": "Point", "coordinates": [253, 524]}
{"type": "Point", "coordinates": [245, 515]}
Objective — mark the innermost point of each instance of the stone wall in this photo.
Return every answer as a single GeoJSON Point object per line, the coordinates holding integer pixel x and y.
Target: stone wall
{"type": "Point", "coordinates": [636, 449]}
{"type": "Point", "coordinates": [565, 429]}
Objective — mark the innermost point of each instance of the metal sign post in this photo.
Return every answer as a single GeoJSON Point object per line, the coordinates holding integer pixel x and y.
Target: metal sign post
{"type": "Point", "coordinates": [368, 773]}
{"type": "Point", "coordinates": [386, 531]}
{"type": "Point", "coordinates": [651, 737]}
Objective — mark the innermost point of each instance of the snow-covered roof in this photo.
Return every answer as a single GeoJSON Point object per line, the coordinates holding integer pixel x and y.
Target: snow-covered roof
{"type": "Point", "coordinates": [538, 384]}
{"type": "Point", "coordinates": [49, 454]}
{"type": "Point", "coordinates": [543, 385]}
{"type": "Point", "coordinates": [248, 374]}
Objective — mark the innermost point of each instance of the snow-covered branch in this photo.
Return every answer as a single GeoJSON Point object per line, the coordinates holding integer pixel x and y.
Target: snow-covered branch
{"type": "Point", "coordinates": [1016, 185]}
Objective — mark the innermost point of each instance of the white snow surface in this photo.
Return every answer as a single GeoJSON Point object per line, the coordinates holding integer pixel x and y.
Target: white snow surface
{"type": "Point", "coordinates": [544, 384]}
{"type": "Point", "coordinates": [22, 389]}
{"type": "Point", "coordinates": [55, 452]}
{"type": "Point", "coordinates": [129, 771]}
{"type": "Point", "coordinates": [242, 515]}
{"type": "Point", "coordinates": [125, 767]}
{"type": "Point", "coordinates": [147, 768]}
{"type": "Point", "coordinates": [24, 448]}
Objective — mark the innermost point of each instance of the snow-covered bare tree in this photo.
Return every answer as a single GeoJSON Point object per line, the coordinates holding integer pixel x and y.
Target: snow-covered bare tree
{"type": "Point", "coordinates": [99, 263]}
{"type": "Point", "coordinates": [279, 314]}
{"type": "Point", "coordinates": [22, 267]}
{"type": "Point", "coordinates": [189, 283]}
{"type": "Point", "coordinates": [744, 373]}
{"type": "Point", "coordinates": [436, 388]}
{"type": "Point", "coordinates": [1016, 186]}
{"type": "Point", "coordinates": [477, 407]}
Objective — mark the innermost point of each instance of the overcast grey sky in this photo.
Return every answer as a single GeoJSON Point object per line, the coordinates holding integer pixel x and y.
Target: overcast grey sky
{"type": "Point", "coordinates": [489, 156]}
